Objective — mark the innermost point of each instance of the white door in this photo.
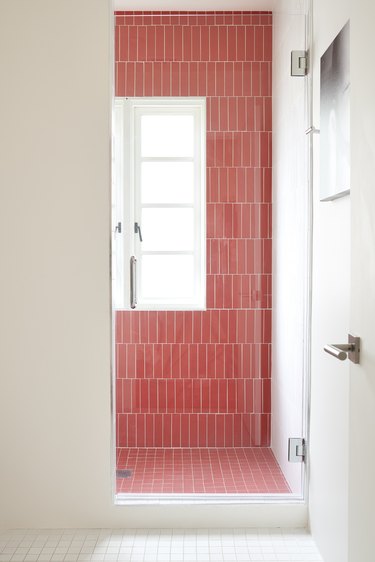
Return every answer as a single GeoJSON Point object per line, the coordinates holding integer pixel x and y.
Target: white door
{"type": "Point", "coordinates": [362, 318]}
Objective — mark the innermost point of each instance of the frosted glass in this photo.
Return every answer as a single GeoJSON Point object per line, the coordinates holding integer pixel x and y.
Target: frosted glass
{"type": "Point", "coordinates": [167, 182]}
{"type": "Point", "coordinates": [167, 229]}
{"type": "Point", "coordinates": [167, 277]}
{"type": "Point", "coordinates": [167, 135]}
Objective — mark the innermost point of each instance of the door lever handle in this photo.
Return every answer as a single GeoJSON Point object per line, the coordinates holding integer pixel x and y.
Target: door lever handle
{"type": "Point", "coordinates": [342, 350]}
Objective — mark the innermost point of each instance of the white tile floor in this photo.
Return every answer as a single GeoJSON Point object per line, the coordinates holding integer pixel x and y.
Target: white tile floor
{"type": "Point", "coordinates": [158, 545]}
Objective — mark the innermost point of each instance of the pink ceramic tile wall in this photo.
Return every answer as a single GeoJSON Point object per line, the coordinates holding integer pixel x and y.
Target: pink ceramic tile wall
{"type": "Point", "coordinates": [202, 379]}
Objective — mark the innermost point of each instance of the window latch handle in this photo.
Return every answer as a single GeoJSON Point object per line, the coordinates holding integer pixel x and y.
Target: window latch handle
{"type": "Point", "coordinates": [137, 230]}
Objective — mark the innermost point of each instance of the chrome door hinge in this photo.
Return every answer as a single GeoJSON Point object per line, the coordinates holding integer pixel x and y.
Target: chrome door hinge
{"type": "Point", "coordinates": [296, 449]}
{"type": "Point", "coordinates": [299, 63]}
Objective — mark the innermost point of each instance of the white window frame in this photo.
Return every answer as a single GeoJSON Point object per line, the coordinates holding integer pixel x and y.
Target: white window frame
{"type": "Point", "coordinates": [127, 199]}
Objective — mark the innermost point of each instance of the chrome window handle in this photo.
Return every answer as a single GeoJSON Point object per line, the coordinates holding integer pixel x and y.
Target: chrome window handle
{"type": "Point", "coordinates": [133, 282]}
{"type": "Point", "coordinates": [137, 230]}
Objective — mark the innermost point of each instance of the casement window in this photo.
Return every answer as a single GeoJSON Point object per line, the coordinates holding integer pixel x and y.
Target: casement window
{"type": "Point", "coordinates": [159, 203]}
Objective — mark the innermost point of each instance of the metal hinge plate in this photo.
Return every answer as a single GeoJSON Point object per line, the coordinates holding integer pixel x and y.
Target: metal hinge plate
{"type": "Point", "coordinates": [299, 63]}
{"type": "Point", "coordinates": [296, 449]}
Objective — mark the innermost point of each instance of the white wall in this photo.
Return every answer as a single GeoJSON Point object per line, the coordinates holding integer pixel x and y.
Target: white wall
{"type": "Point", "coordinates": [362, 377]}
{"type": "Point", "coordinates": [55, 425]}
{"type": "Point", "coordinates": [290, 219]}
{"type": "Point", "coordinates": [331, 297]}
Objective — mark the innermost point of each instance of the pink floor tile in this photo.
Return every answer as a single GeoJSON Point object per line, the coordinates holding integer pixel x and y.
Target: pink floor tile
{"type": "Point", "coordinates": [200, 471]}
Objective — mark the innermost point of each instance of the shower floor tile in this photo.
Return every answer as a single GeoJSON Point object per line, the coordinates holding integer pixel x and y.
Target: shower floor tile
{"type": "Point", "coordinates": [252, 470]}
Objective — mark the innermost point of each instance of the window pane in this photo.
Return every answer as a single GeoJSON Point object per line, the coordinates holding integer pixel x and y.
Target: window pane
{"type": "Point", "coordinates": [167, 182]}
{"type": "Point", "coordinates": [167, 229]}
{"type": "Point", "coordinates": [167, 135]}
{"type": "Point", "coordinates": [167, 277]}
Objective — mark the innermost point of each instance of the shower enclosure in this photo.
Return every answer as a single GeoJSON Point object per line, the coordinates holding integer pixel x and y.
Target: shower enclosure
{"type": "Point", "coordinates": [194, 384]}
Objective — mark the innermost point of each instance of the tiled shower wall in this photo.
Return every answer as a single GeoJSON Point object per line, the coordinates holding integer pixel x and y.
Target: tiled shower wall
{"type": "Point", "coordinates": [202, 379]}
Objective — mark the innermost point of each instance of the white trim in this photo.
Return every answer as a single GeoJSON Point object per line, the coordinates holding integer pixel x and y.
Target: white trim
{"type": "Point", "coordinates": [129, 111]}
{"type": "Point", "coordinates": [207, 499]}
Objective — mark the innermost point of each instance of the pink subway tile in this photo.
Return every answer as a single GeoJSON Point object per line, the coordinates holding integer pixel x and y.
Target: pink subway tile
{"type": "Point", "coordinates": [228, 286]}
{"type": "Point", "coordinates": [193, 79]}
{"type": "Point", "coordinates": [267, 45]}
{"type": "Point", "coordinates": [220, 430]}
{"type": "Point", "coordinates": [139, 361]}
{"type": "Point", "coordinates": [166, 79]}
{"type": "Point", "coordinates": [153, 386]}
{"type": "Point", "coordinates": [193, 430]}
{"type": "Point", "coordinates": [238, 79]}
{"type": "Point", "coordinates": [228, 361]}
{"type": "Point", "coordinates": [202, 430]}
{"type": "Point", "coordinates": [193, 361]}
{"type": "Point", "coordinates": [159, 43]}
{"type": "Point", "coordinates": [185, 431]}
{"type": "Point", "coordinates": [237, 430]}
{"type": "Point", "coordinates": [186, 43]}
{"type": "Point", "coordinates": [157, 78]}
{"type": "Point", "coordinates": [207, 78]}
{"type": "Point", "coordinates": [158, 360]}
{"type": "Point", "coordinates": [133, 43]}
{"type": "Point", "coordinates": [184, 355]}
{"type": "Point", "coordinates": [229, 435]}
{"type": "Point", "coordinates": [213, 396]}
{"type": "Point", "coordinates": [150, 41]}
{"type": "Point", "coordinates": [241, 43]}
{"type": "Point", "coordinates": [259, 43]}
{"type": "Point", "coordinates": [224, 114]}
{"type": "Point", "coordinates": [249, 395]}
{"type": "Point", "coordinates": [209, 367]}
{"type": "Point", "coordinates": [210, 422]}
{"type": "Point", "coordinates": [171, 395]}
{"type": "Point", "coordinates": [197, 398]}
{"type": "Point", "coordinates": [220, 361]}
{"type": "Point", "coordinates": [177, 43]}
{"type": "Point", "coordinates": [167, 431]}
{"type": "Point", "coordinates": [168, 43]}
{"type": "Point", "coordinates": [248, 367]}
{"type": "Point", "coordinates": [176, 362]}
{"type": "Point", "coordinates": [205, 395]}
{"type": "Point", "coordinates": [162, 396]}
{"type": "Point", "coordinates": [149, 360]}
{"type": "Point", "coordinates": [223, 396]}
{"type": "Point", "coordinates": [213, 43]}
{"type": "Point", "coordinates": [150, 437]}
{"type": "Point", "coordinates": [223, 43]}
{"type": "Point", "coordinates": [220, 78]}
{"type": "Point", "coordinates": [142, 43]}
{"type": "Point", "coordinates": [175, 78]}
{"type": "Point", "coordinates": [184, 79]}
{"type": "Point", "coordinates": [188, 395]}
{"type": "Point", "coordinates": [179, 406]}
{"type": "Point", "coordinates": [141, 430]}
{"type": "Point", "coordinates": [232, 43]}
{"type": "Point", "coordinates": [214, 325]}
{"type": "Point", "coordinates": [144, 396]}
{"type": "Point", "coordinates": [266, 396]}
{"type": "Point", "coordinates": [196, 43]}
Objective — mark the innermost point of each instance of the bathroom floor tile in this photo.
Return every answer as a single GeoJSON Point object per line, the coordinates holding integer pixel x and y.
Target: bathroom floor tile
{"type": "Point", "coordinates": [164, 545]}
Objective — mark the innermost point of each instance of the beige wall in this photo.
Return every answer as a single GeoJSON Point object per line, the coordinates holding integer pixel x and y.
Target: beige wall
{"type": "Point", "coordinates": [55, 425]}
{"type": "Point", "coordinates": [55, 327]}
